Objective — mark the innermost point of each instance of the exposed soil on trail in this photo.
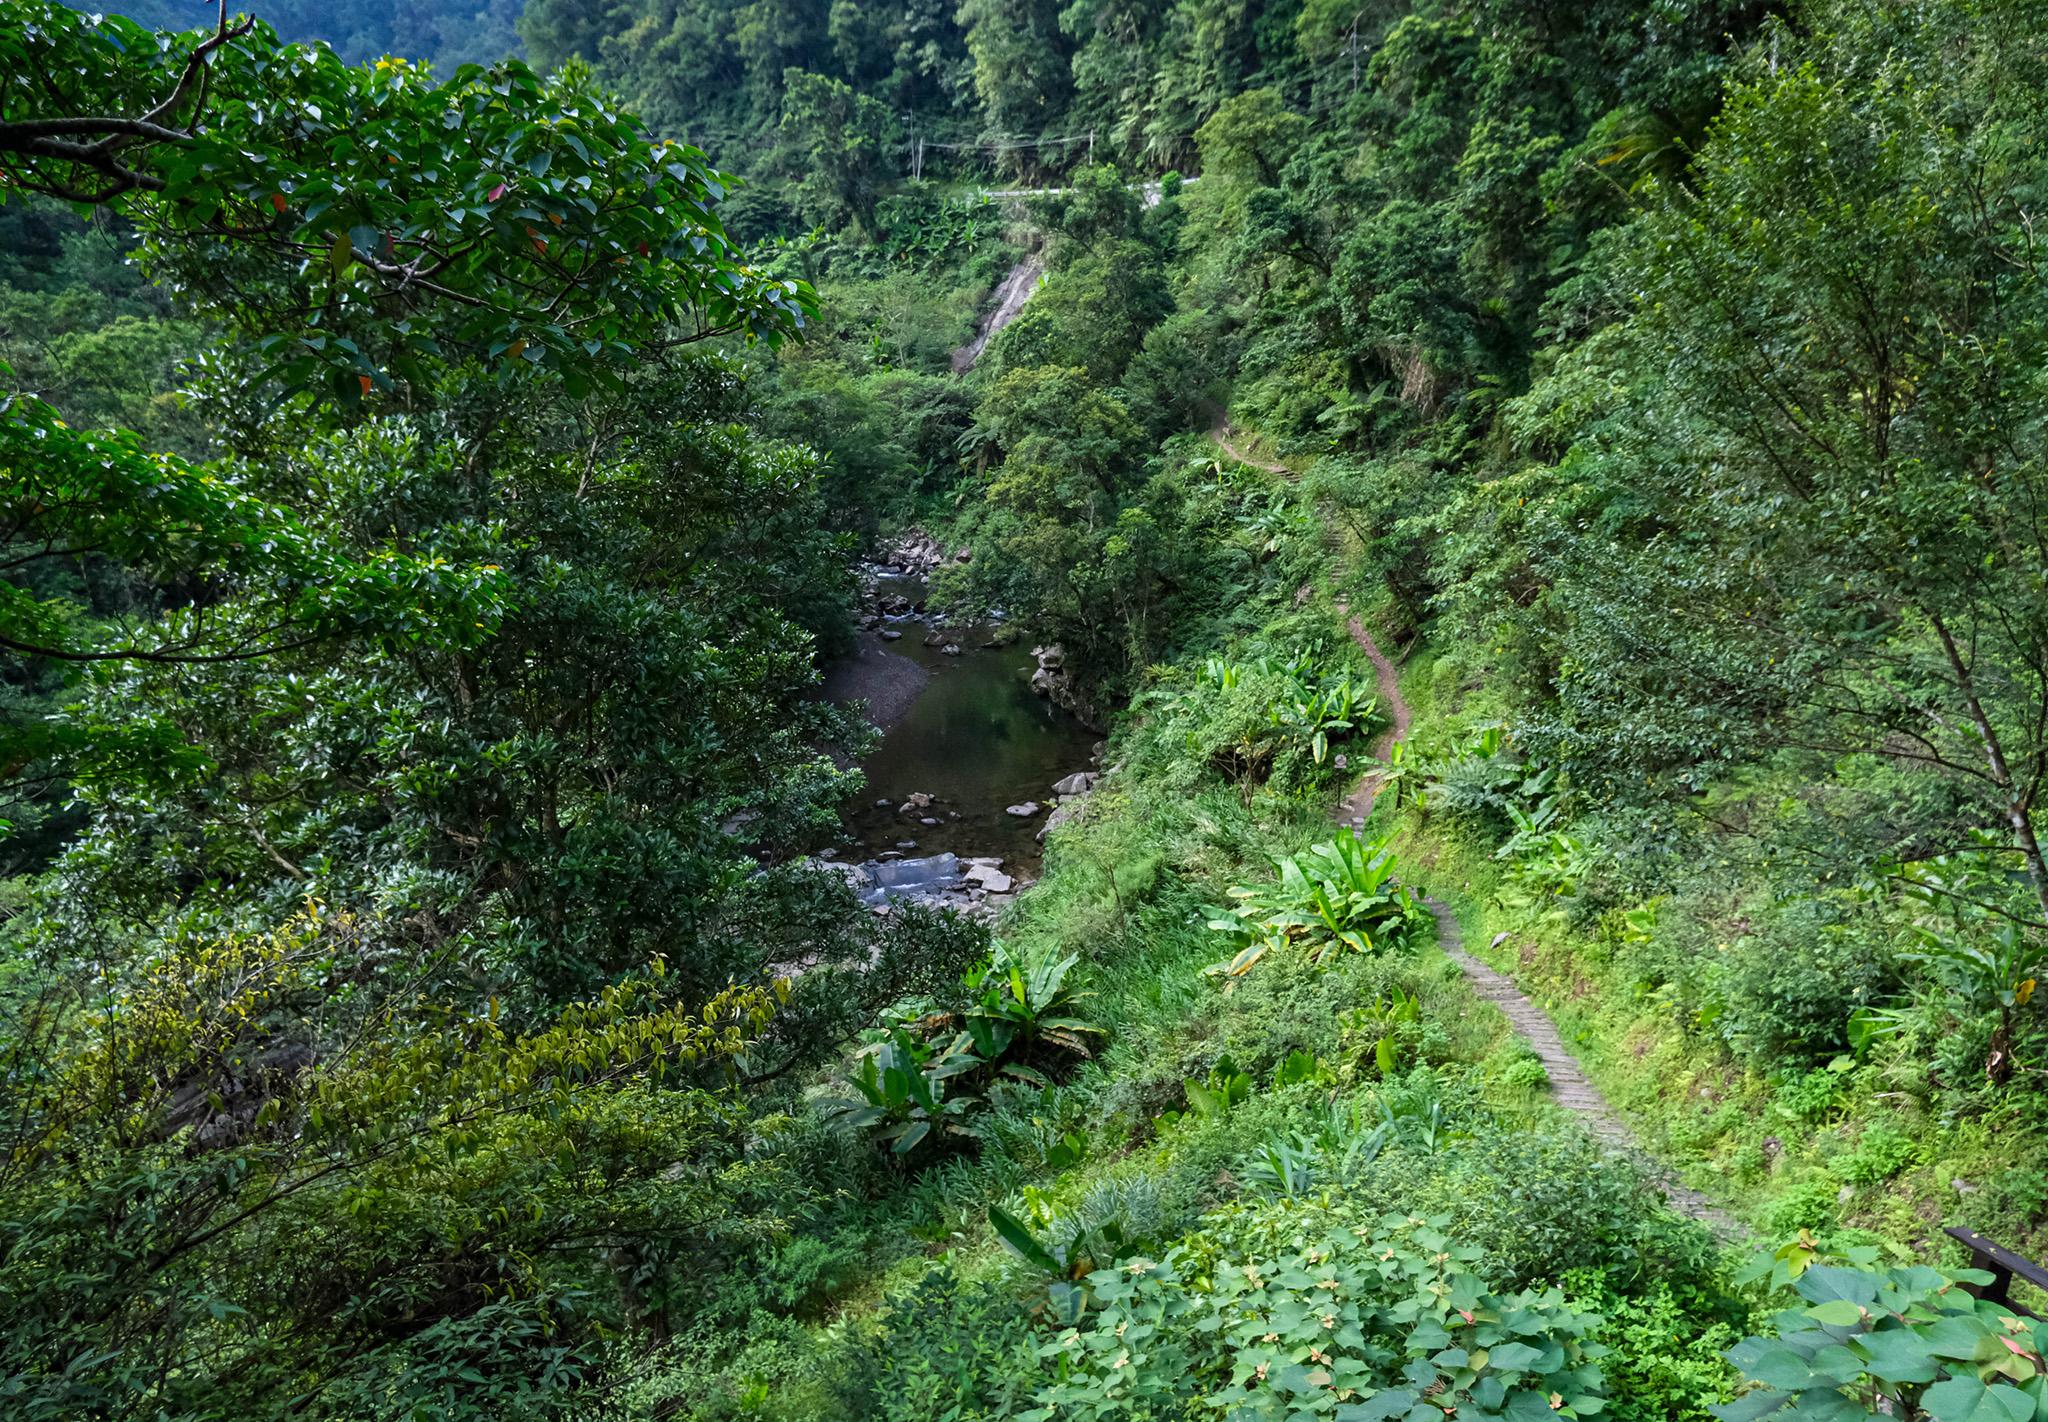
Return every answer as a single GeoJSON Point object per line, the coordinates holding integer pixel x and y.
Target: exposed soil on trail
{"type": "Point", "coordinates": [1358, 804]}
{"type": "Point", "coordinates": [1221, 433]}
{"type": "Point", "coordinates": [1568, 1083]}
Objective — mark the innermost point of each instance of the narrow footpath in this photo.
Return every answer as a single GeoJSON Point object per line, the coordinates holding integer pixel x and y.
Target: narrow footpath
{"type": "Point", "coordinates": [1220, 434]}
{"type": "Point", "coordinates": [1568, 1083]}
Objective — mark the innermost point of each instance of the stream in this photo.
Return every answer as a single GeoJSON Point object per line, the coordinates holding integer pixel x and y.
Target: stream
{"type": "Point", "coordinates": [964, 737]}
{"type": "Point", "coordinates": [961, 785]}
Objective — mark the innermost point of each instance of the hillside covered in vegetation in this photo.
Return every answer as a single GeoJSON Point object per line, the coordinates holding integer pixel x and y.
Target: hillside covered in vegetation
{"type": "Point", "coordinates": [537, 876]}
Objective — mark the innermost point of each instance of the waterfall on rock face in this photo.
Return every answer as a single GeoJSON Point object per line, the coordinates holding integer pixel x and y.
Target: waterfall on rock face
{"type": "Point", "coordinates": [1011, 293]}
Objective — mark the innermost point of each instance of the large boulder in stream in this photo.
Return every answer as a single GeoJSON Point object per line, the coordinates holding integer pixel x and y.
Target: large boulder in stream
{"type": "Point", "coordinates": [914, 552]}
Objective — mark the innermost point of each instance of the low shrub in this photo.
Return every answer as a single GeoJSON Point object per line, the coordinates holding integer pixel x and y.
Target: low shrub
{"type": "Point", "coordinates": [1535, 1203]}
{"type": "Point", "coordinates": [944, 1350]}
{"type": "Point", "coordinates": [1284, 1310]}
{"type": "Point", "coordinates": [1787, 989]}
{"type": "Point", "coordinates": [1666, 1358]}
{"type": "Point", "coordinates": [1882, 1152]}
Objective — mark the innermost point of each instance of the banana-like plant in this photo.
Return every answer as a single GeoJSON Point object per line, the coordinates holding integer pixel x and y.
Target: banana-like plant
{"type": "Point", "coordinates": [1316, 714]}
{"type": "Point", "coordinates": [1019, 1001]}
{"type": "Point", "coordinates": [1339, 895]}
{"type": "Point", "coordinates": [901, 1093]}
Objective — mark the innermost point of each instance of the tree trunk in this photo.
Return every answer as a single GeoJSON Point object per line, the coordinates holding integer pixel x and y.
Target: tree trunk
{"type": "Point", "coordinates": [2018, 806]}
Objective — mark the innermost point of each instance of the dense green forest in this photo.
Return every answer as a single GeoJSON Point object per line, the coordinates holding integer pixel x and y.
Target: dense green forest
{"type": "Point", "coordinates": [1523, 494]}
{"type": "Point", "coordinates": [446, 33]}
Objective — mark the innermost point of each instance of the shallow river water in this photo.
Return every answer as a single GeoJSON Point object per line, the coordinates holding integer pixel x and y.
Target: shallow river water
{"type": "Point", "coordinates": [976, 739]}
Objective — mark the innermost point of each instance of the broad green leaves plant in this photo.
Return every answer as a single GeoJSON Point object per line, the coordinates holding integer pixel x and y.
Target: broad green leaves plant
{"type": "Point", "coordinates": [924, 1075]}
{"type": "Point", "coordinates": [1307, 706]}
{"type": "Point", "coordinates": [1903, 1342]}
{"type": "Point", "coordinates": [1338, 896]}
{"type": "Point", "coordinates": [901, 1092]}
{"type": "Point", "coordinates": [1020, 1000]}
{"type": "Point", "coordinates": [1225, 1087]}
{"type": "Point", "coordinates": [1372, 1322]}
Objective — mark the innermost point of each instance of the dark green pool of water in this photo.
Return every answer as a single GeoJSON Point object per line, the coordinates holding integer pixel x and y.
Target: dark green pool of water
{"type": "Point", "coordinates": [976, 739]}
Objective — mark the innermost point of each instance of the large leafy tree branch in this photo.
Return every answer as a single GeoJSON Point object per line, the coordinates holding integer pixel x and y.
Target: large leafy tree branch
{"type": "Point", "coordinates": [360, 221]}
{"type": "Point", "coordinates": [84, 157]}
{"type": "Point", "coordinates": [366, 231]}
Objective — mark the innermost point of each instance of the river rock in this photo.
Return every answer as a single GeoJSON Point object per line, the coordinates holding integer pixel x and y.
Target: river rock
{"type": "Point", "coordinates": [995, 881]}
{"type": "Point", "coordinates": [951, 649]}
{"type": "Point", "coordinates": [914, 552]}
{"type": "Point", "coordinates": [856, 876]}
{"type": "Point", "coordinates": [935, 638]}
{"type": "Point", "coordinates": [890, 634]}
{"type": "Point", "coordinates": [929, 820]}
{"type": "Point", "coordinates": [1064, 813]}
{"type": "Point", "coordinates": [1057, 684]}
{"type": "Point", "coordinates": [1079, 783]}
{"type": "Point", "coordinates": [1024, 811]}
{"type": "Point", "coordinates": [965, 555]}
{"type": "Point", "coordinates": [917, 800]}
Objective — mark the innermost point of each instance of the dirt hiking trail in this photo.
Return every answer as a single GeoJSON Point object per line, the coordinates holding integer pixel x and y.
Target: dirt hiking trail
{"type": "Point", "coordinates": [1569, 1085]}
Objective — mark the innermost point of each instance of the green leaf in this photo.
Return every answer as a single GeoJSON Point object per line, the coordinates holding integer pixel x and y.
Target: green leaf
{"type": "Point", "coordinates": [1965, 1399]}
{"type": "Point", "coordinates": [1021, 1241]}
{"type": "Point", "coordinates": [1512, 1357]}
{"type": "Point", "coordinates": [1897, 1355]}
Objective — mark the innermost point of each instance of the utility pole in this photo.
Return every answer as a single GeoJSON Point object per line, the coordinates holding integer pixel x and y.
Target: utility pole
{"type": "Point", "coordinates": [1091, 147]}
